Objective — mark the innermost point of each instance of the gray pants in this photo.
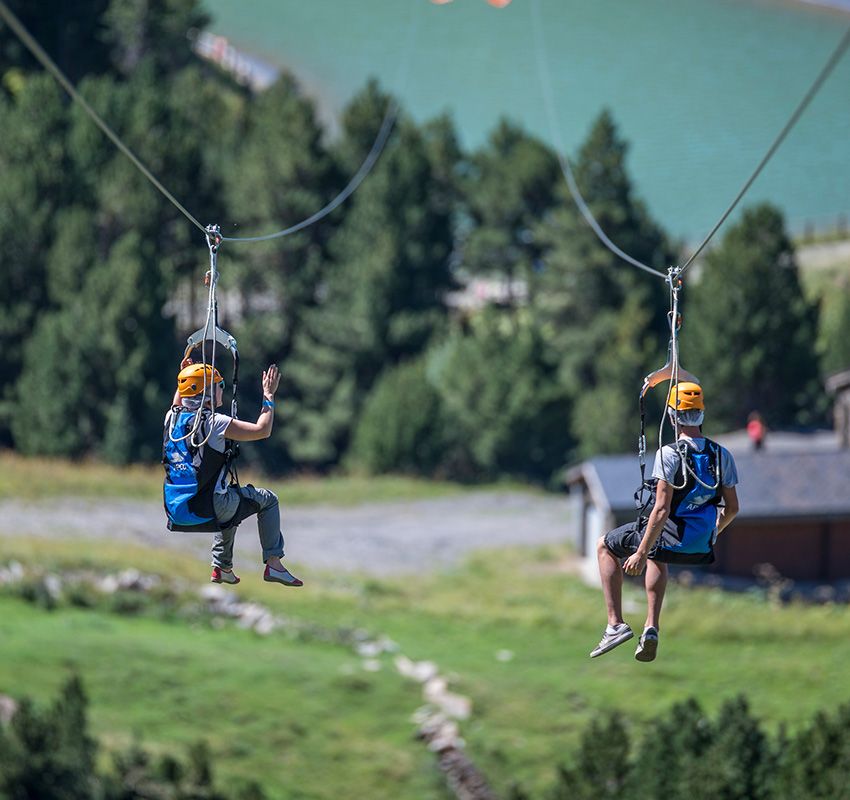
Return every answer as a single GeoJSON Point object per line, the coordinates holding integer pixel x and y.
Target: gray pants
{"type": "Point", "coordinates": [237, 505]}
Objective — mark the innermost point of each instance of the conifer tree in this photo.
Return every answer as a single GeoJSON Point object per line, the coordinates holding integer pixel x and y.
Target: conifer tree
{"type": "Point", "coordinates": [401, 428]}
{"type": "Point", "coordinates": [738, 763]}
{"type": "Point", "coordinates": [750, 330]}
{"type": "Point", "coordinates": [511, 184]}
{"type": "Point", "coordinates": [382, 298]}
{"type": "Point", "coordinates": [58, 26]}
{"type": "Point", "coordinates": [504, 411]}
{"type": "Point", "coordinates": [668, 751]}
{"type": "Point", "coordinates": [280, 175]}
{"type": "Point", "coordinates": [37, 179]}
{"type": "Point", "coordinates": [101, 356]}
{"type": "Point", "coordinates": [816, 761]}
{"type": "Point", "coordinates": [602, 765]}
{"type": "Point", "coordinates": [603, 321]}
{"type": "Point", "coordinates": [49, 754]}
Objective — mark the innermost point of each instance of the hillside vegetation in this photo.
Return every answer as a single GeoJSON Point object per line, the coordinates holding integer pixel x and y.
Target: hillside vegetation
{"type": "Point", "coordinates": [512, 632]}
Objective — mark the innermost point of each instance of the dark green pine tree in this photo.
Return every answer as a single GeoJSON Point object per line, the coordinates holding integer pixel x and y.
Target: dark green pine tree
{"type": "Point", "coordinates": [750, 333]}
{"type": "Point", "coordinates": [401, 428]}
{"type": "Point", "coordinates": [382, 299]}
{"type": "Point", "coordinates": [738, 763]}
{"type": "Point", "coordinates": [58, 27]}
{"type": "Point", "coordinates": [504, 410]}
{"type": "Point", "coordinates": [602, 766]}
{"type": "Point", "coordinates": [668, 751]}
{"type": "Point", "coordinates": [102, 354]}
{"type": "Point", "coordinates": [510, 185]}
{"type": "Point", "coordinates": [38, 178]}
{"type": "Point", "coordinates": [155, 32]}
{"type": "Point", "coordinates": [49, 754]}
{"type": "Point", "coordinates": [603, 320]}
{"type": "Point", "coordinates": [279, 176]}
{"type": "Point", "coordinates": [814, 764]}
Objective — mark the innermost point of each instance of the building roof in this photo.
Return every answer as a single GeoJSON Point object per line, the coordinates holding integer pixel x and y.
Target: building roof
{"type": "Point", "coordinates": [773, 484]}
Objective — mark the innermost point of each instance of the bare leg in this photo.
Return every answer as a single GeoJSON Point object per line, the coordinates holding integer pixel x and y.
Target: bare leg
{"type": "Point", "coordinates": [612, 582]}
{"type": "Point", "coordinates": [656, 584]}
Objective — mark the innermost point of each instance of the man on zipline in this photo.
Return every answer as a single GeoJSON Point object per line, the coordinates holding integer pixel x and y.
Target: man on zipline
{"type": "Point", "coordinates": [695, 499]}
{"type": "Point", "coordinates": [231, 504]}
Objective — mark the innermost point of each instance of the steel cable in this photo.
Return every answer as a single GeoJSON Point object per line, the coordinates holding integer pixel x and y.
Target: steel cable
{"type": "Point", "coordinates": [557, 138]}
{"type": "Point", "coordinates": [371, 159]}
{"type": "Point", "coordinates": [792, 121]}
{"type": "Point", "coordinates": [41, 56]}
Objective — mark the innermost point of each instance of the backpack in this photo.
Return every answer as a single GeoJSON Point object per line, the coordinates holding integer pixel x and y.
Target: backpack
{"type": "Point", "coordinates": [693, 509]}
{"type": "Point", "coordinates": [191, 473]}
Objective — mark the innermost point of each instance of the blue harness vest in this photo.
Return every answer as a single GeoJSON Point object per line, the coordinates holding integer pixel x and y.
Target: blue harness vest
{"type": "Point", "coordinates": [693, 510]}
{"type": "Point", "coordinates": [190, 474]}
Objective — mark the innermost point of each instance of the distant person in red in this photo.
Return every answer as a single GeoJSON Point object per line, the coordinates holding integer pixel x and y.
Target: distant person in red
{"type": "Point", "coordinates": [756, 430]}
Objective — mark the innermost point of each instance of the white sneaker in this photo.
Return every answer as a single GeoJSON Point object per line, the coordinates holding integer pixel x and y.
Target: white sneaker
{"type": "Point", "coordinates": [614, 635]}
{"type": "Point", "coordinates": [648, 645]}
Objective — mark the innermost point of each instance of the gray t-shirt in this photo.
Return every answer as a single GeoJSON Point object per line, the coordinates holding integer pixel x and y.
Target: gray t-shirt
{"type": "Point", "coordinates": [216, 442]}
{"type": "Point", "coordinates": [668, 464]}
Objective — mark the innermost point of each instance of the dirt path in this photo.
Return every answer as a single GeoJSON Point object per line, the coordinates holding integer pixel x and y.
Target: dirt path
{"type": "Point", "coordinates": [374, 538]}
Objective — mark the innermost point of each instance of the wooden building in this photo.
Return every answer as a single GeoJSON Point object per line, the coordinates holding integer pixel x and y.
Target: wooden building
{"type": "Point", "coordinates": [795, 509]}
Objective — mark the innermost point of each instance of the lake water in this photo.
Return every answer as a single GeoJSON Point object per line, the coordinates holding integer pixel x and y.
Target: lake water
{"type": "Point", "coordinates": [698, 87]}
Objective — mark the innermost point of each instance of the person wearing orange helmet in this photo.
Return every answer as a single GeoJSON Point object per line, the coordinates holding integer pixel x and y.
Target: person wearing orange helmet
{"type": "Point", "coordinates": [200, 447]}
{"type": "Point", "coordinates": [694, 499]}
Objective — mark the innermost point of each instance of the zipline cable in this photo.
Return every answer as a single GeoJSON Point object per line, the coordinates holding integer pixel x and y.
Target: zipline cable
{"type": "Point", "coordinates": [41, 56]}
{"type": "Point", "coordinates": [371, 159]}
{"type": "Point", "coordinates": [792, 121]}
{"type": "Point", "coordinates": [557, 138]}
{"type": "Point", "coordinates": [381, 139]}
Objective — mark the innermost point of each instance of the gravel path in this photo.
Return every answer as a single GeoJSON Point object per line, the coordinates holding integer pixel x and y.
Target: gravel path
{"type": "Point", "coordinates": [374, 538]}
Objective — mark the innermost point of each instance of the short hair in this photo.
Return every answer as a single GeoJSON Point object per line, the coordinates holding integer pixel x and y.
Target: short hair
{"type": "Point", "coordinates": [693, 417]}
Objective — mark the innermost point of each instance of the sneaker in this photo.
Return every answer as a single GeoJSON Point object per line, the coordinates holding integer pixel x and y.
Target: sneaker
{"type": "Point", "coordinates": [613, 636]}
{"type": "Point", "coordinates": [220, 576]}
{"type": "Point", "coordinates": [648, 645]}
{"type": "Point", "coordinates": [283, 576]}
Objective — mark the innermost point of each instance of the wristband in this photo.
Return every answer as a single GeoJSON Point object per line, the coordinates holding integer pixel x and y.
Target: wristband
{"type": "Point", "coordinates": [268, 403]}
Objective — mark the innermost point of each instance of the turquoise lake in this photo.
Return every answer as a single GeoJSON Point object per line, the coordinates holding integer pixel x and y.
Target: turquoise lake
{"type": "Point", "coordinates": [698, 87]}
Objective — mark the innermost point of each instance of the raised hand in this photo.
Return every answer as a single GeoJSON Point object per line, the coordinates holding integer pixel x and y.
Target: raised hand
{"type": "Point", "coordinates": [271, 379]}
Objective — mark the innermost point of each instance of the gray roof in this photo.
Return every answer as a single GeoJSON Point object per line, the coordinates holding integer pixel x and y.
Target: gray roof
{"type": "Point", "coordinates": [772, 484]}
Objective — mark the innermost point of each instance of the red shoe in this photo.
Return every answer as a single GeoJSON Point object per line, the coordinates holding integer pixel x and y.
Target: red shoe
{"type": "Point", "coordinates": [220, 576]}
{"type": "Point", "coordinates": [283, 576]}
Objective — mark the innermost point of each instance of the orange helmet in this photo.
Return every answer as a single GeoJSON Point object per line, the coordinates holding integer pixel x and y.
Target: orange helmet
{"type": "Point", "coordinates": [686, 396]}
{"type": "Point", "coordinates": [190, 381]}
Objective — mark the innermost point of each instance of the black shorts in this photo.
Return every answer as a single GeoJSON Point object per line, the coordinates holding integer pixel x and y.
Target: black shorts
{"type": "Point", "coordinates": [624, 541]}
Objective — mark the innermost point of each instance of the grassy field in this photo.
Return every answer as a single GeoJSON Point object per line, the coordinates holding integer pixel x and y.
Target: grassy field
{"type": "Point", "coordinates": [304, 713]}
{"type": "Point", "coordinates": [38, 478]}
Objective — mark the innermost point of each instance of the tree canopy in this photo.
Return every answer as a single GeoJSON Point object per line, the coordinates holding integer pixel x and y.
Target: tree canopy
{"type": "Point", "coordinates": [391, 357]}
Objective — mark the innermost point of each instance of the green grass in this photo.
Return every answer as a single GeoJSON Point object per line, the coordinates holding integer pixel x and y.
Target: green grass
{"type": "Point", "coordinates": [308, 709]}
{"type": "Point", "coordinates": [39, 478]}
